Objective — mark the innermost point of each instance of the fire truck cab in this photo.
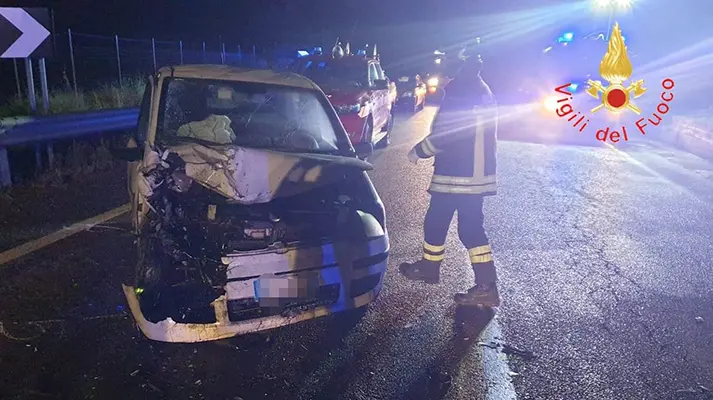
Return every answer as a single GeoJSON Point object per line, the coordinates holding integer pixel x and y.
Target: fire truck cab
{"type": "Point", "coordinates": [357, 88]}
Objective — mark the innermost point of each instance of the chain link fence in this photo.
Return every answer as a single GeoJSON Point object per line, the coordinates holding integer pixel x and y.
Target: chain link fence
{"type": "Point", "coordinates": [85, 62]}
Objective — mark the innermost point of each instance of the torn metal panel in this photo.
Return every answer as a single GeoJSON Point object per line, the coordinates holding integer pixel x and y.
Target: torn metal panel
{"type": "Point", "coordinates": [247, 175]}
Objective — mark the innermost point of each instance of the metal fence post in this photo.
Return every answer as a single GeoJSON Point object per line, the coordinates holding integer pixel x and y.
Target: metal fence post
{"type": "Point", "coordinates": [71, 60]}
{"type": "Point", "coordinates": [46, 108]}
{"type": "Point", "coordinates": [44, 87]}
{"type": "Point", "coordinates": [17, 79]}
{"type": "Point", "coordinates": [118, 60]}
{"type": "Point", "coordinates": [180, 50]}
{"type": "Point", "coordinates": [153, 51]}
{"type": "Point", "coordinates": [5, 177]}
{"type": "Point", "coordinates": [240, 55]}
{"type": "Point", "coordinates": [204, 59]}
{"type": "Point", "coordinates": [31, 95]}
{"type": "Point", "coordinates": [254, 55]}
{"type": "Point", "coordinates": [222, 53]}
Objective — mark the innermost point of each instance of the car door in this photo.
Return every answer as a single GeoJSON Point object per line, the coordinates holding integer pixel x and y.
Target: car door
{"type": "Point", "coordinates": [377, 99]}
{"type": "Point", "coordinates": [138, 139]}
{"type": "Point", "coordinates": [420, 89]}
{"type": "Point", "coordinates": [391, 90]}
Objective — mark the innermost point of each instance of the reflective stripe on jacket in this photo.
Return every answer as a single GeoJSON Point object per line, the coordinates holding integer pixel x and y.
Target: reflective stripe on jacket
{"type": "Point", "coordinates": [463, 141]}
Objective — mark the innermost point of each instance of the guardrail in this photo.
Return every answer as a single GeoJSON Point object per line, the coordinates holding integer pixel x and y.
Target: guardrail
{"type": "Point", "coordinates": [28, 130]}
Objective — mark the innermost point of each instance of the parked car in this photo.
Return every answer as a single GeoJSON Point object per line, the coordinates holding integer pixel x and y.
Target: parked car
{"type": "Point", "coordinates": [251, 208]}
{"type": "Point", "coordinates": [359, 90]}
{"type": "Point", "coordinates": [411, 93]}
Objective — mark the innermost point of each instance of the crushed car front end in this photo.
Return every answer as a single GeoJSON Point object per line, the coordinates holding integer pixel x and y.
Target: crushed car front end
{"type": "Point", "coordinates": [211, 267]}
{"type": "Point", "coordinates": [234, 239]}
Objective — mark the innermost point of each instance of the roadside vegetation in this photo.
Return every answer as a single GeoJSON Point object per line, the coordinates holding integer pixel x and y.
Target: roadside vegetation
{"type": "Point", "coordinates": [73, 160]}
{"type": "Point", "coordinates": [63, 100]}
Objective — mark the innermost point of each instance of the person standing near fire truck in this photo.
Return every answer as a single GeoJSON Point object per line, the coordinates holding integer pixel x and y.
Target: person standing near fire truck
{"type": "Point", "coordinates": [463, 142]}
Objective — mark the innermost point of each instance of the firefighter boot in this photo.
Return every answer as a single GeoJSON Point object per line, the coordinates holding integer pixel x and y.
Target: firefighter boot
{"type": "Point", "coordinates": [485, 291]}
{"type": "Point", "coordinates": [483, 295]}
{"type": "Point", "coordinates": [422, 270]}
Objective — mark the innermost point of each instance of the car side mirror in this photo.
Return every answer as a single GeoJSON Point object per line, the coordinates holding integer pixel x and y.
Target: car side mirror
{"type": "Point", "coordinates": [380, 84]}
{"type": "Point", "coordinates": [364, 150]}
{"type": "Point", "coordinates": [128, 154]}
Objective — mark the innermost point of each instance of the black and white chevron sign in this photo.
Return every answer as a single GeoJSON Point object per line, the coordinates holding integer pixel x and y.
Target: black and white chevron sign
{"type": "Point", "coordinates": [24, 33]}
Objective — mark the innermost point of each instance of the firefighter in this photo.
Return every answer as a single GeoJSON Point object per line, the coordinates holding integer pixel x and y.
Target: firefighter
{"type": "Point", "coordinates": [463, 142]}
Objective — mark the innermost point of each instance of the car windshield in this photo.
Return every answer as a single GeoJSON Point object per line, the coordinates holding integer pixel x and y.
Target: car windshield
{"type": "Point", "coordinates": [334, 72]}
{"type": "Point", "coordinates": [248, 114]}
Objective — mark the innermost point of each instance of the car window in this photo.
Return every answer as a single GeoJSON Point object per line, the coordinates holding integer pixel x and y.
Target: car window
{"type": "Point", "coordinates": [144, 114]}
{"type": "Point", "coordinates": [373, 74]}
{"type": "Point", "coordinates": [379, 72]}
{"type": "Point", "coordinates": [248, 114]}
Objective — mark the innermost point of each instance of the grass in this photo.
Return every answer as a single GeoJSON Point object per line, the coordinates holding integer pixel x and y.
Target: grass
{"type": "Point", "coordinates": [64, 100]}
{"type": "Point", "coordinates": [83, 156]}
{"type": "Point", "coordinates": [79, 160]}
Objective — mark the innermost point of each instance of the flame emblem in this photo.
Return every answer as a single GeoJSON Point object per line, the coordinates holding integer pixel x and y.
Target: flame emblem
{"type": "Point", "coordinates": [616, 68]}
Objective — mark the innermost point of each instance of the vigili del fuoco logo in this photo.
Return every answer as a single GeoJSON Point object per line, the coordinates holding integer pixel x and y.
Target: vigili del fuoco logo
{"type": "Point", "coordinates": [617, 97]}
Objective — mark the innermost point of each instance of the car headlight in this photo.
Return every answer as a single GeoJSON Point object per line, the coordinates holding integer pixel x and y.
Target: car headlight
{"type": "Point", "coordinates": [432, 82]}
{"type": "Point", "coordinates": [407, 94]}
{"type": "Point", "coordinates": [348, 109]}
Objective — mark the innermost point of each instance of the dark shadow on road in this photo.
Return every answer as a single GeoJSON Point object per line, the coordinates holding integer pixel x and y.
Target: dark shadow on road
{"type": "Point", "coordinates": [435, 381]}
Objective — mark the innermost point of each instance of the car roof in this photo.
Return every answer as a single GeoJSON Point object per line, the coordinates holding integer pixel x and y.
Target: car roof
{"type": "Point", "coordinates": [229, 73]}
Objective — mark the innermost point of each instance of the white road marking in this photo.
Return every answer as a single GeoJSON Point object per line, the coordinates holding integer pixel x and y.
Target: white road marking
{"type": "Point", "coordinates": [37, 244]}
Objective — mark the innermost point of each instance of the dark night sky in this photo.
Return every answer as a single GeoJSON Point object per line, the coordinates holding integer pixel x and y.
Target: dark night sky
{"type": "Point", "coordinates": [250, 20]}
{"type": "Point", "coordinates": [167, 19]}
{"type": "Point", "coordinates": [399, 27]}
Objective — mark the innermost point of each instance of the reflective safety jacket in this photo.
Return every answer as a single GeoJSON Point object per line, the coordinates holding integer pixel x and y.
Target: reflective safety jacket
{"type": "Point", "coordinates": [463, 140]}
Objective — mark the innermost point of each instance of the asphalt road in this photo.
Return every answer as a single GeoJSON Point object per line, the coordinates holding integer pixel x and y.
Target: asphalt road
{"type": "Point", "coordinates": [604, 258]}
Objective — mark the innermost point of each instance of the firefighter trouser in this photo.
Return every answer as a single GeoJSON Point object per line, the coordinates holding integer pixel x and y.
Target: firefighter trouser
{"type": "Point", "coordinates": [470, 231]}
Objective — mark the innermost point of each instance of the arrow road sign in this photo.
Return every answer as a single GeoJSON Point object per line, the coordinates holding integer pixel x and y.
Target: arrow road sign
{"type": "Point", "coordinates": [24, 32]}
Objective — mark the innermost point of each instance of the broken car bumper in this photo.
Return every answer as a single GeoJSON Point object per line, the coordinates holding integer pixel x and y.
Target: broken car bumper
{"type": "Point", "coordinates": [346, 276]}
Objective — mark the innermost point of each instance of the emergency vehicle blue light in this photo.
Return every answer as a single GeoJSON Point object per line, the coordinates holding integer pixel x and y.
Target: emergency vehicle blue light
{"type": "Point", "coordinates": [566, 37]}
{"type": "Point", "coordinates": [573, 87]}
{"type": "Point", "coordinates": [302, 53]}
{"type": "Point", "coordinates": [361, 52]}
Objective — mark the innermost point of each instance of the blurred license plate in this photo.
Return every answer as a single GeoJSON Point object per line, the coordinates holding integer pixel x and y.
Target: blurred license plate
{"type": "Point", "coordinates": [274, 291]}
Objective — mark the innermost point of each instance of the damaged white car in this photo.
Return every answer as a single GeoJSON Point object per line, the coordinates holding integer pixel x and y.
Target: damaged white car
{"type": "Point", "coordinates": [252, 209]}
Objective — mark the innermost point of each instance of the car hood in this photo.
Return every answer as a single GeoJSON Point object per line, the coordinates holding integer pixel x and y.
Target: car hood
{"type": "Point", "coordinates": [247, 175]}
